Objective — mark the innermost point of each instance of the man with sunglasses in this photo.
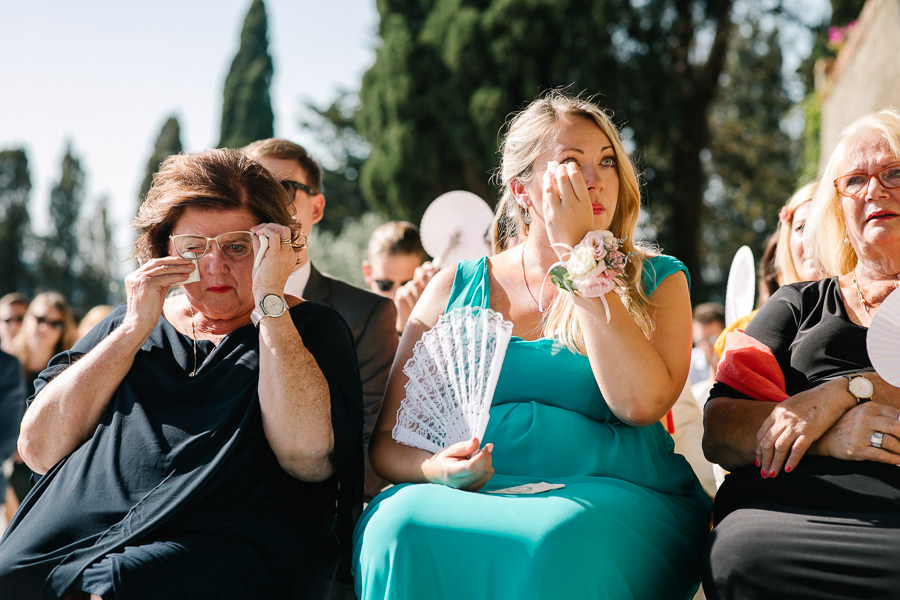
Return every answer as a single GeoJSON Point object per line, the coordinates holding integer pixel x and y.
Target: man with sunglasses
{"type": "Point", "coordinates": [371, 317]}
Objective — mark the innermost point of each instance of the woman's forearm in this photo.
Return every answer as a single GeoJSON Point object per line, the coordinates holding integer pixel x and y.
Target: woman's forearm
{"type": "Point", "coordinates": [295, 401]}
{"type": "Point", "coordinates": [730, 428]}
{"type": "Point", "coordinates": [68, 408]}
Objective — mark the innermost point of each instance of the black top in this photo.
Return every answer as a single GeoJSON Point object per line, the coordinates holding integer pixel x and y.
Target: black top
{"type": "Point", "coordinates": [12, 395]}
{"type": "Point", "coordinates": [810, 334]}
{"type": "Point", "coordinates": [173, 457]}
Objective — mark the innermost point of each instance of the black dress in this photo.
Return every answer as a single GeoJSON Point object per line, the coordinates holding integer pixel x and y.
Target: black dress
{"type": "Point", "coordinates": [178, 494]}
{"type": "Point", "coordinates": [830, 529]}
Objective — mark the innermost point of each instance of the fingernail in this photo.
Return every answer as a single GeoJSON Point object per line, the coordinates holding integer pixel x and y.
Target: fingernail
{"type": "Point", "coordinates": [787, 469]}
{"type": "Point", "coordinates": [762, 473]}
{"type": "Point", "coordinates": [756, 462]}
{"type": "Point", "coordinates": [772, 473]}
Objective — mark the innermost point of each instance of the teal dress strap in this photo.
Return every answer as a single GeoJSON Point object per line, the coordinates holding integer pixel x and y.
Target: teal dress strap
{"type": "Point", "coordinates": [470, 285]}
{"type": "Point", "coordinates": [657, 268]}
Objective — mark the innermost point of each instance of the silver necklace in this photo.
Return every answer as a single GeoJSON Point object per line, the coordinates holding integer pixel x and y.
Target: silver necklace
{"type": "Point", "coordinates": [194, 340]}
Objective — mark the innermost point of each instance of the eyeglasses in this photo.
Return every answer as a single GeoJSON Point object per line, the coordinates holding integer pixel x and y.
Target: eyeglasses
{"type": "Point", "coordinates": [854, 185]}
{"type": "Point", "coordinates": [234, 244]}
{"type": "Point", "coordinates": [42, 320]}
{"type": "Point", "coordinates": [386, 285]}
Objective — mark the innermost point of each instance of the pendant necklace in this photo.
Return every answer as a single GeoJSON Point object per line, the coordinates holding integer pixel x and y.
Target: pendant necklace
{"type": "Point", "coordinates": [194, 340]}
{"type": "Point", "coordinates": [862, 300]}
{"type": "Point", "coordinates": [525, 279]}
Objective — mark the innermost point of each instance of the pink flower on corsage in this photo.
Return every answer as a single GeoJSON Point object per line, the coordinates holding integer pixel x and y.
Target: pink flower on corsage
{"type": "Point", "coordinates": [593, 268]}
{"type": "Point", "coordinates": [786, 215]}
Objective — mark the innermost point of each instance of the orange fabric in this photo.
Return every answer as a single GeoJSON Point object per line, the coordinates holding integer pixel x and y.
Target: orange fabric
{"type": "Point", "coordinates": [749, 367]}
{"type": "Point", "coordinates": [739, 324]}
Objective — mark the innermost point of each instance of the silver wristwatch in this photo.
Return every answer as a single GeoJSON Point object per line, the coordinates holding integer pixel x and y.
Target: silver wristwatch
{"type": "Point", "coordinates": [271, 305]}
{"type": "Point", "coordinates": [860, 387]}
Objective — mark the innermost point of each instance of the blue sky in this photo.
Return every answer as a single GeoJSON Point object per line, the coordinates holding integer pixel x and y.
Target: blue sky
{"type": "Point", "coordinates": [106, 74]}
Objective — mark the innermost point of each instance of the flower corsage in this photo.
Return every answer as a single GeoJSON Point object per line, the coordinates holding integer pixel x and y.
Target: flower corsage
{"type": "Point", "coordinates": [595, 266]}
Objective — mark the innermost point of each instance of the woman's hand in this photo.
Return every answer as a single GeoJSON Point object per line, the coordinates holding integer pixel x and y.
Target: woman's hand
{"type": "Point", "coordinates": [461, 465]}
{"type": "Point", "coordinates": [278, 260]}
{"type": "Point", "coordinates": [408, 294]}
{"type": "Point", "coordinates": [796, 423]}
{"type": "Point", "coordinates": [850, 438]}
{"type": "Point", "coordinates": [147, 287]}
{"type": "Point", "coordinates": [566, 205]}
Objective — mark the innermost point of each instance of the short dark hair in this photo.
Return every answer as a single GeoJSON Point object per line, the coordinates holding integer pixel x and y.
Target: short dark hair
{"type": "Point", "coordinates": [285, 150]}
{"type": "Point", "coordinates": [221, 179]}
{"type": "Point", "coordinates": [709, 312]}
{"type": "Point", "coordinates": [396, 237]}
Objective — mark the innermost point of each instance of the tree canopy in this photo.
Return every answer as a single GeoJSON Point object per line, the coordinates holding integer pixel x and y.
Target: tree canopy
{"type": "Point", "coordinates": [168, 142]}
{"type": "Point", "coordinates": [15, 232]}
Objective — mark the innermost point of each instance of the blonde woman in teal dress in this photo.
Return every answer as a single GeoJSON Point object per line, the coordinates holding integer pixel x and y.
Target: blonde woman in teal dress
{"type": "Point", "coordinates": [578, 403]}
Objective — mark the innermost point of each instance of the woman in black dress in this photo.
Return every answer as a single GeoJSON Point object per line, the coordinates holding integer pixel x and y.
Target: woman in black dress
{"type": "Point", "coordinates": [809, 431]}
{"type": "Point", "coordinates": [196, 445]}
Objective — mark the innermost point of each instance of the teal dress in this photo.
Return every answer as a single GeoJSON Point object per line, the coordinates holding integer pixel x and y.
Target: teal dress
{"type": "Point", "coordinates": [630, 522]}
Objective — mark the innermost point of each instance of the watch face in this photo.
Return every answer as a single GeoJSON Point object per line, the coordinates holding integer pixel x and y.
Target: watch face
{"type": "Point", "coordinates": [273, 305]}
{"type": "Point", "coordinates": [861, 387]}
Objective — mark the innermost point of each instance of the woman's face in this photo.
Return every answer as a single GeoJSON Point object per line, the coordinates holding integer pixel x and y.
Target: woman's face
{"type": "Point", "coordinates": [225, 287]}
{"type": "Point", "coordinates": [43, 326]}
{"type": "Point", "coordinates": [872, 217]}
{"type": "Point", "coordinates": [580, 141]}
{"type": "Point", "coordinates": [805, 267]}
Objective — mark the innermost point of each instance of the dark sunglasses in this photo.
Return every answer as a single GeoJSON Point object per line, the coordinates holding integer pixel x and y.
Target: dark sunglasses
{"type": "Point", "coordinates": [292, 187]}
{"type": "Point", "coordinates": [14, 319]}
{"type": "Point", "coordinates": [45, 321]}
{"type": "Point", "coordinates": [386, 285]}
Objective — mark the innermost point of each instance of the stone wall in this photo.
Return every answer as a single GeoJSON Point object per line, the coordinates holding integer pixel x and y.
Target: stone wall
{"type": "Point", "coordinates": [865, 75]}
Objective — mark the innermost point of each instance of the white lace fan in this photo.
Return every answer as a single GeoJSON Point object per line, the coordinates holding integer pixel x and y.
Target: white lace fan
{"type": "Point", "coordinates": [741, 287]}
{"type": "Point", "coordinates": [452, 375]}
{"type": "Point", "coordinates": [882, 340]}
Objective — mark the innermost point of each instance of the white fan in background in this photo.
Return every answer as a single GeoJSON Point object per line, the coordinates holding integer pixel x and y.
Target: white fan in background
{"type": "Point", "coordinates": [741, 289]}
{"type": "Point", "coordinates": [455, 226]}
{"type": "Point", "coordinates": [452, 375]}
{"type": "Point", "coordinates": [883, 340]}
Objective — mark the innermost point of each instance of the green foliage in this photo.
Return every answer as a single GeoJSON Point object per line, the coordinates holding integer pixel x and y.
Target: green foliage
{"type": "Point", "coordinates": [15, 189]}
{"type": "Point", "coordinates": [333, 126]}
{"type": "Point", "coordinates": [752, 160]}
{"type": "Point", "coordinates": [448, 72]}
{"type": "Point", "coordinates": [168, 142]}
{"type": "Point", "coordinates": [247, 105]}
{"type": "Point", "coordinates": [74, 258]}
{"type": "Point", "coordinates": [341, 254]}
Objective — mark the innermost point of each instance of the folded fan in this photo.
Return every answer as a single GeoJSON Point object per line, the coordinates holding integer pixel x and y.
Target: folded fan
{"type": "Point", "coordinates": [452, 376]}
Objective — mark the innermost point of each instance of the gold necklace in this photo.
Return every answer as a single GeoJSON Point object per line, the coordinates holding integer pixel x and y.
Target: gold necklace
{"type": "Point", "coordinates": [862, 300]}
{"type": "Point", "coordinates": [194, 340]}
{"type": "Point", "coordinates": [525, 279]}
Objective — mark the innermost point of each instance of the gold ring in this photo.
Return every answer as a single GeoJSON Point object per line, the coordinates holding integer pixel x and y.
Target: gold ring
{"type": "Point", "coordinates": [287, 241]}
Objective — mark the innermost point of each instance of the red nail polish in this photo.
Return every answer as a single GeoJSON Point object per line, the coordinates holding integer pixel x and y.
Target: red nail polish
{"type": "Point", "coordinates": [787, 469]}
{"type": "Point", "coordinates": [762, 473]}
{"type": "Point", "coordinates": [772, 473]}
{"type": "Point", "coordinates": [756, 462]}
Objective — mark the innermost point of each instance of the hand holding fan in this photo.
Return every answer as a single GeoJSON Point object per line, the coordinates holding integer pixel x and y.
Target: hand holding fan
{"type": "Point", "coordinates": [452, 376]}
{"type": "Point", "coordinates": [741, 288]}
{"type": "Point", "coordinates": [454, 228]}
{"type": "Point", "coordinates": [882, 340]}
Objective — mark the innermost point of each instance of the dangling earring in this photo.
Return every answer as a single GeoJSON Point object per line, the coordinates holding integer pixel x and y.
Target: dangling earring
{"type": "Point", "coordinates": [527, 217]}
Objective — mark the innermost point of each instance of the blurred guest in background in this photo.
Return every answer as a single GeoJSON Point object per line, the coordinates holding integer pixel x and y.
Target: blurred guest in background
{"type": "Point", "coordinates": [396, 266]}
{"type": "Point", "coordinates": [12, 313]}
{"type": "Point", "coordinates": [92, 317]}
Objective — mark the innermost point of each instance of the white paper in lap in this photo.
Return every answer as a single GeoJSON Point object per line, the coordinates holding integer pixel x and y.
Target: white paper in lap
{"type": "Point", "coordinates": [452, 377]}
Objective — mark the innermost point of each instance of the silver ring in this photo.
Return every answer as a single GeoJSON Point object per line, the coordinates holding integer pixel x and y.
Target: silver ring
{"type": "Point", "coordinates": [876, 439]}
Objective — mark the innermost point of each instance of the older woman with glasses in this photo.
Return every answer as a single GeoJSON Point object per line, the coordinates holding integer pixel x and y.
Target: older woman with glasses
{"type": "Point", "coordinates": [809, 431]}
{"type": "Point", "coordinates": [201, 445]}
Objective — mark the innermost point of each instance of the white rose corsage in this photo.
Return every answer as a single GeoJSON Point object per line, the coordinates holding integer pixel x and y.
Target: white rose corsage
{"type": "Point", "coordinates": [594, 267]}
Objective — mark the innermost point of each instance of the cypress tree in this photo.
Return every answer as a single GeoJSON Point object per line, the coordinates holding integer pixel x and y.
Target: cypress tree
{"type": "Point", "coordinates": [15, 189]}
{"type": "Point", "coordinates": [167, 143]}
{"type": "Point", "coordinates": [247, 105]}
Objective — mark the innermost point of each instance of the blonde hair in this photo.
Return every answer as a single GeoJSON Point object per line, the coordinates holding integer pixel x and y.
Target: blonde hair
{"type": "Point", "coordinates": [784, 260]}
{"type": "Point", "coordinates": [825, 236]}
{"type": "Point", "coordinates": [527, 135]}
{"type": "Point", "coordinates": [67, 336]}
